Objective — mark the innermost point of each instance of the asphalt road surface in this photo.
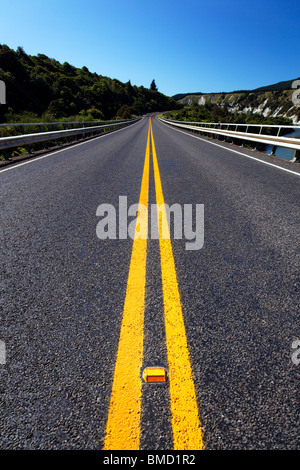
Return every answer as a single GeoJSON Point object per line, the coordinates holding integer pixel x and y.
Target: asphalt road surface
{"type": "Point", "coordinates": [230, 348]}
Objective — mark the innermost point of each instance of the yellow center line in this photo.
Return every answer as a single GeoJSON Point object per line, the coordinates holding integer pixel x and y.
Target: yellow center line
{"type": "Point", "coordinates": [123, 424]}
{"type": "Point", "coordinates": [186, 426]}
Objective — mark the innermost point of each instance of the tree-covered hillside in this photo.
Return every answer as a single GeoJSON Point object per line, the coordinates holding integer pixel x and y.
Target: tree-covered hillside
{"type": "Point", "coordinates": [41, 87]}
{"type": "Point", "coordinates": [286, 85]}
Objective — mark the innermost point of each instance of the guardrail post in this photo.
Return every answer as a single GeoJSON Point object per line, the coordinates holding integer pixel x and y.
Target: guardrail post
{"type": "Point", "coordinates": [274, 148]}
{"type": "Point", "coordinates": [6, 156]}
{"type": "Point", "coordinates": [45, 146]}
{"type": "Point", "coordinates": [296, 157]}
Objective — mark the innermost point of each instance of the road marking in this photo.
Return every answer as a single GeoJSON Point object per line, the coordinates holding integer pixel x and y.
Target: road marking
{"type": "Point", "coordinates": [235, 151]}
{"type": "Point", "coordinates": [186, 426]}
{"type": "Point", "coordinates": [123, 424]}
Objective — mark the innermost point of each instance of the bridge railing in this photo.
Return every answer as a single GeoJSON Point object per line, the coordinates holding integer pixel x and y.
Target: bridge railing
{"type": "Point", "coordinates": [271, 137]}
{"type": "Point", "coordinates": [28, 139]}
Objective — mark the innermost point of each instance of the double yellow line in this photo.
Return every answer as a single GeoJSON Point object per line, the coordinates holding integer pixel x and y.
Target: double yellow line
{"type": "Point", "coordinates": [123, 424]}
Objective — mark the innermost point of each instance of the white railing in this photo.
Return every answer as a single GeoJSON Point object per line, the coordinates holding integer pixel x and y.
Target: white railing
{"type": "Point", "coordinates": [222, 129]}
{"type": "Point", "coordinates": [27, 139]}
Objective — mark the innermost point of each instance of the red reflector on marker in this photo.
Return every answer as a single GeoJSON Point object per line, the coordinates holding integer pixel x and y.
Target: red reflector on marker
{"type": "Point", "coordinates": [155, 374]}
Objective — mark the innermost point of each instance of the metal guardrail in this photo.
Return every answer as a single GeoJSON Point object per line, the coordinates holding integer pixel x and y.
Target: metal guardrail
{"type": "Point", "coordinates": [275, 141]}
{"type": "Point", "coordinates": [59, 123]}
{"type": "Point", "coordinates": [237, 125]}
{"type": "Point", "coordinates": [25, 139]}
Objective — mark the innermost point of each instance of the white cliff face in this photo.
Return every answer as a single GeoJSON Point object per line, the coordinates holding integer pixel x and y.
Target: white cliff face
{"type": "Point", "coordinates": [267, 112]}
{"type": "Point", "coordinates": [265, 104]}
{"type": "Point", "coordinates": [201, 101]}
{"type": "Point", "coordinates": [260, 109]}
{"type": "Point", "coordinates": [277, 112]}
{"type": "Point", "coordinates": [294, 118]}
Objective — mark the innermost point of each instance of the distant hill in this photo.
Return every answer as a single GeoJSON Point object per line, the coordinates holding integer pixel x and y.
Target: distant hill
{"type": "Point", "coordinates": [180, 96]}
{"type": "Point", "coordinates": [285, 85]}
{"type": "Point", "coordinates": [268, 101]}
{"type": "Point", "coordinates": [38, 86]}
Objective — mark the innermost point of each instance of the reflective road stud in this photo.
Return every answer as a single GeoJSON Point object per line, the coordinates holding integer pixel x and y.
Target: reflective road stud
{"type": "Point", "coordinates": [155, 374]}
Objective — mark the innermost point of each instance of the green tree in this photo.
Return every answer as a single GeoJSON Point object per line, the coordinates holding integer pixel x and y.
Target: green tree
{"type": "Point", "coordinates": [42, 86]}
{"type": "Point", "coordinates": [124, 112]}
{"type": "Point", "coordinates": [57, 108]}
{"type": "Point", "coordinates": [153, 86]}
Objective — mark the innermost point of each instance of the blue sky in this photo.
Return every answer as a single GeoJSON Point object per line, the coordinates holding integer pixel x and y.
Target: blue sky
{"type": "Point", "coordinates": [185, 45]}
